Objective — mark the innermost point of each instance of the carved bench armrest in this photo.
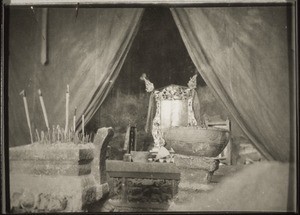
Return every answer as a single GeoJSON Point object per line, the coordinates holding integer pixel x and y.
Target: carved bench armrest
{"type": "Point", "coordinates": [101, 140]}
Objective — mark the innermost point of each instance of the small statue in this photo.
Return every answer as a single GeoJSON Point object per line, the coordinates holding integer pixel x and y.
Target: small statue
{"type": "Point", "coordinates": [149, 85]}
{"type": "Point", "coordinates": [193, 82]}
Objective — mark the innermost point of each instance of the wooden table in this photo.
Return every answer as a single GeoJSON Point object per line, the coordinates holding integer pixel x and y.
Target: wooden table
{"type": "Point", "coordinates": [139, 186]}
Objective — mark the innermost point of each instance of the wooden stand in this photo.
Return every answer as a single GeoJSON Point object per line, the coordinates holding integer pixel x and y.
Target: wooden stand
{"type": "Point", "coordinates": [138, 186]}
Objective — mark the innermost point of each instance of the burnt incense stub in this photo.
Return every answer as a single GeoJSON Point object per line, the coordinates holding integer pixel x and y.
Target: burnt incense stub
{"type": "Point", "coordinates": [53, 178]}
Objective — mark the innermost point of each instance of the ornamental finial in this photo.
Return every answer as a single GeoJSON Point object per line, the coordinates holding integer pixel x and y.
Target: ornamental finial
{"type": "Point", "coordinates": [193, 82]}
{"type": "Point", "coordinates": [149, 85]}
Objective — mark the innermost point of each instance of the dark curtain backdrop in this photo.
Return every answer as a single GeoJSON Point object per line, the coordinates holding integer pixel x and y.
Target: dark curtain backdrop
{"type": "Point", "coordinates": [85, 52]}
{"type": "Point", "coordinates": [242, 55]}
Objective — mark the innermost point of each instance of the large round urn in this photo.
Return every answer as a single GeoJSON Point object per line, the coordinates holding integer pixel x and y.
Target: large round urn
{"type": "Point", "coordinates": [197, 141]}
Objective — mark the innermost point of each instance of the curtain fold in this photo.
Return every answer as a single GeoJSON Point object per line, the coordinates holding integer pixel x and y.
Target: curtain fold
{"type": "Point", "coordinates": [85, 52]}
{"type": "Point", "coordinates": [126, 37]}
{"type": "Point", "coordinates": [242, 55]}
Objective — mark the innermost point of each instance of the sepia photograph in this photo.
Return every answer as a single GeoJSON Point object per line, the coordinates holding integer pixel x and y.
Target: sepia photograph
{"type": "Point", "coordinates": [149, 106]}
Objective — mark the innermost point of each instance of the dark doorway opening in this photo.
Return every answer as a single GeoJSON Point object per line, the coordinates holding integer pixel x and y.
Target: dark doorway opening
{"type": "Point", "coordinates": [159, 52]}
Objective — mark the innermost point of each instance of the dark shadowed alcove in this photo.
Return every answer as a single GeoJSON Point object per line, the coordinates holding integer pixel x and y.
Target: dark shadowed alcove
{"type": "Point", "coordinates": [158, 51]}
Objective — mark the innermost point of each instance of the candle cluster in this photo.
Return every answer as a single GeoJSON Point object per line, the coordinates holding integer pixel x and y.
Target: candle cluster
{"type": "Point", "coordinates": [56, 134]}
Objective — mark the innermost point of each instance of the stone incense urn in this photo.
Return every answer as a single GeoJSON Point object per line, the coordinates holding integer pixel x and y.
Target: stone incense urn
{"type": "Point", "coordinates": [197, 141]}
{"type": "Point", "coordinates": [58, 177]}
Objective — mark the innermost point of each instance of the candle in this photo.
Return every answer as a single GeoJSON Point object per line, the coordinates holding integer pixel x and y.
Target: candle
{"type": "Point", "coordinates": [27, 113]}
{"type": "Point", "coordinates": [43, 108]}
{"type": "Point", "coordinates": [67, 111]}
{"type": "Point", "coordinates": [82, 128]}
{"type": "Point", "coordinates": [74, 120]}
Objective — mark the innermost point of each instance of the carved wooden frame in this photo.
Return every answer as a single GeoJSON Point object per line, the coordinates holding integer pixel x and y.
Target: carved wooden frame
{"type": "Point", "coordinates": [171, 92]}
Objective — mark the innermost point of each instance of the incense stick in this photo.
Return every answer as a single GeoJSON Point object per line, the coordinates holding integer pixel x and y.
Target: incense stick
{"type": "Point", "coordinates": [44, 109]}
{"type": "Point", "coordinates": [38, 136]}
{"type": "Point", "coordinates": [74, 120]}
{"type": "Point", "coordinates": [58, 133]}
{"type": "Point", "coordinates": [53, 134]}
{"type": "Point", "coordinates": [67, 111]}
{"type": "Point", "coordinates": [27, 113]}
{"type": "Point", "coordinates": [69, 135]}
{"type": "Point", "coordinates": [42, 136]}
{"type": "Point", "coordinates": [82, 124]}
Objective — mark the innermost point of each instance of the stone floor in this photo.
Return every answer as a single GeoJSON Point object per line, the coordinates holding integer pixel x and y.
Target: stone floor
{"type": "Point", "coordinates": [257, 187]}
{"type": "Point", "coordinates": [191, 184]}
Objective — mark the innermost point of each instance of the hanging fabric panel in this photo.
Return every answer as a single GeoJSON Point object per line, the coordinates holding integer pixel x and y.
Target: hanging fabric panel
{"type": "Point", "coordinates": [242, 54]}
{"type": "Point", "coordinates": [85, 51]}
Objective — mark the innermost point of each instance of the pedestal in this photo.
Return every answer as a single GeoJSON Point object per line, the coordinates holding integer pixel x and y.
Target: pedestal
{"type": "Point", "coordinates": [53, 178]}
{"type": "Point", "coordinates": [195, 163]}
{"type": "Point", "coordinates": [196, 174]}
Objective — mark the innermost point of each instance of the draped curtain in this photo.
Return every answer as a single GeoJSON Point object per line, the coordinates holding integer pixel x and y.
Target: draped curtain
{"type": "Point", "coordinates": [242, 54]}
{"type": "Point", "coordinates": [86, 52]}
